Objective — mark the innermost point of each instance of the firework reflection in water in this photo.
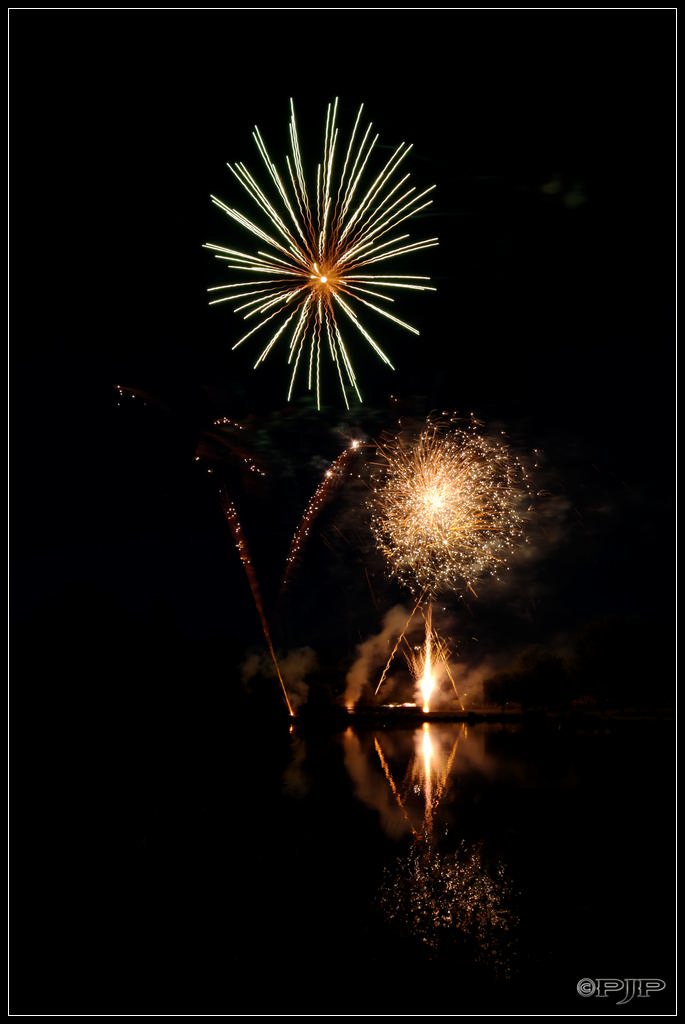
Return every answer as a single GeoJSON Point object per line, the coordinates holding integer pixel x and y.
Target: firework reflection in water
{"type": "Point", "coordinates": [438, 897]}
{"type": "Point", "coordinates": [453, 899]}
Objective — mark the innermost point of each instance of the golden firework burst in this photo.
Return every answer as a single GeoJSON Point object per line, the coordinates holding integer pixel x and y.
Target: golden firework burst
{"type": "Point", "coordinates": [320, 245]}
{"type": "Point", "coordinates": [446, 507]}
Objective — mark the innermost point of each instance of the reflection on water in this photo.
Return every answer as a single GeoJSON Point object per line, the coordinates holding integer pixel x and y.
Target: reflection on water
{"type": "Point", "coordinates": [445, 899]}
{"type": "Point", "coordinates": [443, 890]}
{"type": "Point", "coordinates": [386, 870]}
{"type": "Point", "coordinates": [508, 859]}
{"type": "Point", "coordinates": [403, 774]}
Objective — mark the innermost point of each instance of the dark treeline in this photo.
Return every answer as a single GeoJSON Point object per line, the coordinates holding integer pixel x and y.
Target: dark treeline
{"type": "Point", "coordinates": [613, 662]}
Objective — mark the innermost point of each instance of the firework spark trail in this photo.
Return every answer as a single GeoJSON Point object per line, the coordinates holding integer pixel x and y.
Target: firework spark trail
{"type": "Point", "coordinates": [445, 507]}
{"type": "Point", "coordinates": [320, 250]}
{"type": "Point", "coordinates": [244, 552]}
{"type": "Point", "coordinates": [333, 477]}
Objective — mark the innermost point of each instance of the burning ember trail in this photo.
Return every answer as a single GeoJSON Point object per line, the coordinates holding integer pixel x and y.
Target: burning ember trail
{"type": "Point", "coordinates": [244, 552]}
{"type": "Point", "coordinates": [333, 477]}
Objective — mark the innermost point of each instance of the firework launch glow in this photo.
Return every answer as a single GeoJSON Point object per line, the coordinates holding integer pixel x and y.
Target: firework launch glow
{"type": "Point", "coordinates": [446, 507]}
{"type": "Point", "coordinates": [428, 661]}
{"type": "Point", "coordinates": [323, 245]}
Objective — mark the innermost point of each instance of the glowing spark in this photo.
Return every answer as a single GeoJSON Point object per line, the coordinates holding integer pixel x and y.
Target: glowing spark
{"type": "Point", "coordinates": [445, 507]}
{"type": "Point", "coordinates": [319, 250]}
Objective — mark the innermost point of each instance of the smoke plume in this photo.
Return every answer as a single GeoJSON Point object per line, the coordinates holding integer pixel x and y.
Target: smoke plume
{"type": "Point", "coordinates": [293, 666]}
{"type": "Point", "coordinates": [374, 652]}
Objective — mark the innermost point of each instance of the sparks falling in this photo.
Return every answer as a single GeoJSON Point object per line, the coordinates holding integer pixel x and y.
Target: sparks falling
{"type": "Point", "coordinates": [321, 244]}
{"type": "Point", "coordinates": [446, 507]}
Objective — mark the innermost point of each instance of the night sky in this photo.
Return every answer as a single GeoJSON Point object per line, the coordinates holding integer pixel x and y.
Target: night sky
{"type": "Point", "coordinates": [549, 136]}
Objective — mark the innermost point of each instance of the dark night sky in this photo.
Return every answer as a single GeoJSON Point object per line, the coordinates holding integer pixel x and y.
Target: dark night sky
{"type": "Point", "coordinates": [148, 813]}
{"type": "Point", "coordinates": [549, 136]}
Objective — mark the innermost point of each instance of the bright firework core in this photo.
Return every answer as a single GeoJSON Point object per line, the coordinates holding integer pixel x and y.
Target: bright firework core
{"type": "Point", "coordinates": [325, 280]}
{"type": "Point", "coordinates": [446, 507]}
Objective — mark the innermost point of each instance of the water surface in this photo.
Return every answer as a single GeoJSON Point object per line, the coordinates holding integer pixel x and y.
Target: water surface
{"type": "Point", "coordinates": [486, 864]}
{"type": "Point", "coordinates": [244, 866]}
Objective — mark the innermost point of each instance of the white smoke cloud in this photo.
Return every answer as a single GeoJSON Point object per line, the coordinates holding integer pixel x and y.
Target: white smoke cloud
{"type": "Point", "coordinates": [373, 653]}
{"type": "Point", "coordinates": [469, 678]}
{"type": "Point", "coordinates": [294, 667]}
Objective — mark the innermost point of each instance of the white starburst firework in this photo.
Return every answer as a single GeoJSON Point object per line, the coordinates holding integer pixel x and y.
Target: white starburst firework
{"type": "Point", "coordinates": [320, 246]}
